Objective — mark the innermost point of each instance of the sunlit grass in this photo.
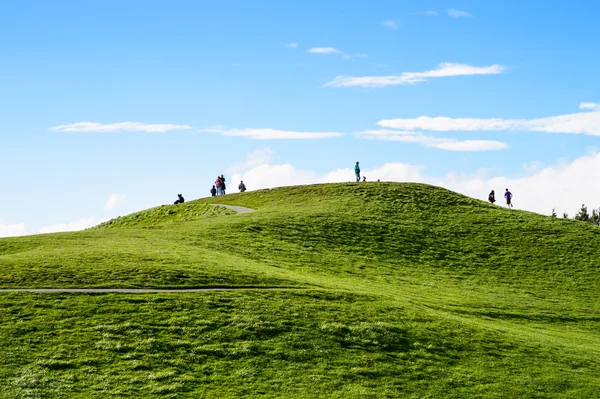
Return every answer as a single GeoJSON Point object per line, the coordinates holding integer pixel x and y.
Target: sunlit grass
{"type": "Point", "coordinates": [403, 290]}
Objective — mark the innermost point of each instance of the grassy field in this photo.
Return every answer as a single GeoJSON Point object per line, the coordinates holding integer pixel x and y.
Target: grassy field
{"type": "Point", "coordinates": [392, 290]}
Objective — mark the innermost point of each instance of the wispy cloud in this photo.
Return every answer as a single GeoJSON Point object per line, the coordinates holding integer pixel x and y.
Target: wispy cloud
{"type": "Point", "coordinates": [113, 201]}
{"type": "Point", "coordinates": [446, 69]}
{"type": "Point", "coordinates": [390, 24]}
{"type": "Point", "coordinates": [592, 106]}
{"type": "Point", "coordinates": [325, 50]}
{"type": "Point", "coordinates": [291, 45]}
{"type": "Point", "coordinates": [441, 143]}
{"type": "Point", "coordinates": [84, 127]}
{"type": "Point", "coordinates": [272, 134]}
{"type": "Point", "coordinates": [429, 13]}
{"type": "Point", "coordinates": [578, 123]}
{"type": "Point", "coordinates": [459, 14]}
{"type": "Point", "coordinates": [262, 156]}
{"type": "Point", "coordinates": [333, 50]}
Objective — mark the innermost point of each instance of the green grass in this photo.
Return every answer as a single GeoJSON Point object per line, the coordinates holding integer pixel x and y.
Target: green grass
{"type": "Point", "coordinates": [403, 290]}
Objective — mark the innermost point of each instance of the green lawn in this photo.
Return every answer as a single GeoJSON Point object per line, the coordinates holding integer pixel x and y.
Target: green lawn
{"type": "Point", "coordinates": [394, 290]}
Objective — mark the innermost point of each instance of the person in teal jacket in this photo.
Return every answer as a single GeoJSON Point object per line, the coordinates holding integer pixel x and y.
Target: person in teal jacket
{"type": "Point", "coordinates": [357, 171]}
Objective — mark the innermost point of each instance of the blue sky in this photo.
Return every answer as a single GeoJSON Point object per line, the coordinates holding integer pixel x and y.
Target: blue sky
{"type": "Point", "coordinates": [213, 75]}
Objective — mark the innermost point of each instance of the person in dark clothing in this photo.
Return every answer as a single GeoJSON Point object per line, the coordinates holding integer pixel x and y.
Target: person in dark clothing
{"type": "Point", "coordinates": [242, 187]}
{"type": "Point", "coordinates": [492, 197]}
{"type": "Point", "coordinates": [180, 199]}
{"type": "Point", "coordinates": [357, 171]}
{"type": "Point", "coordinates": [508, 195]}
{"type": "Point", "coordinates": [223, 186]}
{"type": "Point", "coordinates": [213, 191]}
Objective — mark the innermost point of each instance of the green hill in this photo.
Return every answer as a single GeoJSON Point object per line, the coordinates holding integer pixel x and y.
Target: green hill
{"type": "Point", "coordinates": [388, 290]}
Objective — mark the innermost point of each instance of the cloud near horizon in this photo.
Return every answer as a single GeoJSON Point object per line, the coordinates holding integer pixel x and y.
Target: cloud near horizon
{"type": "Point", "coordinates": [114, 200]}
{"type": "Point", "coordinates": [445, 69]}
{"type": "Point", "coordinates": [85, 127]}
{"type": "Point", "coordinates": [272, 134]}
{"type": "Point", "coordinates": [587, 122]}
{"type": "Point", "coordinates": [21, 229]}
{"type": "Point", "coordinates": [563, 186]}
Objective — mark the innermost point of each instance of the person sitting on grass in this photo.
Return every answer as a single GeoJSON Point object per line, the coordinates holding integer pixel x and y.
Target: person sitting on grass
{"type": "Point", "coordinates": [213, 191]}
{"type": "Point", "coordinates": [242, 187]}
{"type": "Point", "coordinates": [508, 195]}
{"type": "Point", "coordinates": [492, 197]}
{"type": "Point", "coordinates": [180, 199]}
{"type": "Point", "coordinates": [364, 179]}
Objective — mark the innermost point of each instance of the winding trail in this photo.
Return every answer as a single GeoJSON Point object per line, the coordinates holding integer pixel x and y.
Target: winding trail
{"type": "Point", "coordinates": [140, 290]}
{"type": "Point", "coordinates": [237, 209]}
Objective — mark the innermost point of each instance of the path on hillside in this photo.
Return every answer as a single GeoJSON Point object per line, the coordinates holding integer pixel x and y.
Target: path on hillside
{"type": "Point", "coordinates": [237, 209]}
{"type": "Point", "coordinates": [140, 290]}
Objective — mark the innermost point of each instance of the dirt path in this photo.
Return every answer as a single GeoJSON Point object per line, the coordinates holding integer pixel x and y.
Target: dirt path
{"type": "Point", "coordinates": [238, 209]}
{"type": "Point", "coordinates": [138, 290]}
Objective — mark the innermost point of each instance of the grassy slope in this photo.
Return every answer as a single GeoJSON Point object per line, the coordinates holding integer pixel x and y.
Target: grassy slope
{"type": "Point", "coordinates": [414, 291]}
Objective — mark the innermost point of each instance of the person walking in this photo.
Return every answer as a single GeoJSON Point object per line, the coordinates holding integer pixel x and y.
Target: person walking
{"type": "Point", "coordinates": [357, 171]}
{"type": "Point", "coordinates": [492, 197]}
{"type": "Point", "coordinates": [213, 191]}
{"type": "Point", "coordinates": [242, 187]}
{"type": "Point", "coordinates": [508, 195]}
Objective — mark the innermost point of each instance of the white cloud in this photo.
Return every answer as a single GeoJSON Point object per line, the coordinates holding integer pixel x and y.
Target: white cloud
{"type": "Point", "coordinates": [21, 229]}
{"type": "Point", "coordinates": [272, 134]}
{"type": "Point", "coordinates": [441, 143]}
{"type": "Point", "coordinates": [428, 13]}
{"type": "Point", "coordinates": [592, 106]}
{"type": "Point", "coordinates": [11, 230]}
{"type": "Point", "coordinates": [332, 50]}
{"type": "Point", "coordinates": [113, 201]}
{"type": "Point", "coordinates": [352, 56]}
{"type": "Point", "coordinates": [445, 69]}
{"type": "Point", "coordinates": [390, 24]}
{"type": "Point", "coordinates": [459, 14]}
{"type": "Point", "coordinates": [291, 45]}
{"type": "Point", "coordinates": [77, 225]}
{"type": "Point", "coordinates": [259, 157]}
{"type": "Point", "coordinates": [577, 123]}
{"type": "Point", "coordinates": [325, 50]}
{"type": "Point", "coordinates": [84, 127]}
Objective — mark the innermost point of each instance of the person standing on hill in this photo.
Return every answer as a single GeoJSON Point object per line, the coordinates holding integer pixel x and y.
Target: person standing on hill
{"type": "Point", "coordinates": [242, 187]}
{"type": "Point", "coordinates": [223, 186]}
{"type": "Point", "coordinates": [213, 191]}
{"type": "Point", "coordinates": [508, 195]}
{"type": "Point", "coordinates": [219, 185]}
{"type": "Point", "coordinates": [357, 171]}
{"type": "Point", "coordinates": [492, 197]}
